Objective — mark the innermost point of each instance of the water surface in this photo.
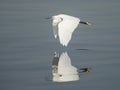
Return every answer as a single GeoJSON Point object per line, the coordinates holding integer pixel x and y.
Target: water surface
{"type": "Point", "coordinates": [27, 44]}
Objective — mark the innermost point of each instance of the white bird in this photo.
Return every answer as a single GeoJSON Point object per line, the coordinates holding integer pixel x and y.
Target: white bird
{"type": "Point", "coordinates": [63, 70]}
{"type": "Point", "coordinates": [63, 27]}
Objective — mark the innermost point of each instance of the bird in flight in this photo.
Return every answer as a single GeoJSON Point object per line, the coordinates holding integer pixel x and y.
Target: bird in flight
{"type": "Point", "coordinates": [63, 27]}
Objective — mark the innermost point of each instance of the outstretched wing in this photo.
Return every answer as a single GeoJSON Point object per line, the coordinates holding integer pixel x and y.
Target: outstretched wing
{"type": "Point", "coordinates": [64, 63]}
{"type": "Point", "coordinates": [65, 30]}
{"type": "Point", "coordinates": [65, 66]}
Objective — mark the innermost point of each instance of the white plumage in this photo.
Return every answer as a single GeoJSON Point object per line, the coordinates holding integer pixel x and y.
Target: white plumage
{"type": "Point", "coordinates": [63, 70]}
{"type": "Point", "coordinates": [63, 27]}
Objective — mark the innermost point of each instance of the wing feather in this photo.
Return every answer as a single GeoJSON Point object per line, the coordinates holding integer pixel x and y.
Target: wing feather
{"type": "Point", "coordinates": [65, 30]}
{"type": "Point", "coordinates": [64, 63]}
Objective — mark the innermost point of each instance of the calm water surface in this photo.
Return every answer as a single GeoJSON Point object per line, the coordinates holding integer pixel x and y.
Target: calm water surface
{"type": "Point", "coordinates": [27, 44]}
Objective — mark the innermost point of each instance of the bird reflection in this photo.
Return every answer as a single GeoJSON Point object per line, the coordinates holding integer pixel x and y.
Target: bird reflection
{"type": "Point", "coordinates": [63, 70]}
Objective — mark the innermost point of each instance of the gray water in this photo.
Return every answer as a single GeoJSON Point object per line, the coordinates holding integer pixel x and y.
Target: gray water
{"type": "Point", "coordinates": [27, 44]}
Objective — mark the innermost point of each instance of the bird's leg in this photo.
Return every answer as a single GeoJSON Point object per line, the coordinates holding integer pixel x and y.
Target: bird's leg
{"type": "Point", "coordinates": [86, 23]}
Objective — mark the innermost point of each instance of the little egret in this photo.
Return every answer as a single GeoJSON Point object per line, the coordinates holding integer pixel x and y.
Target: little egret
{"type": "Point", "coordinates": [63, 70]}
{"type": "Point", "coordinates": [63, 27]}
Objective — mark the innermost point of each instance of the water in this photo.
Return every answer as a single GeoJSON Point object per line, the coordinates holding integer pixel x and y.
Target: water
{"type": "Point", "coordinates": [27, 44]}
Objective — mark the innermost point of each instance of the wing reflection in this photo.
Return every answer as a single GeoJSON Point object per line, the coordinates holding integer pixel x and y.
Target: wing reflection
{"type": "Point", "coordinates": [63, 70]}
